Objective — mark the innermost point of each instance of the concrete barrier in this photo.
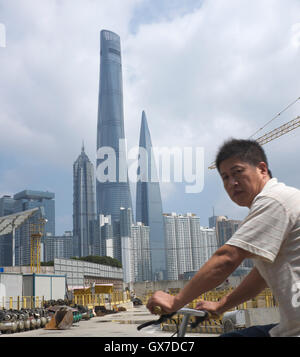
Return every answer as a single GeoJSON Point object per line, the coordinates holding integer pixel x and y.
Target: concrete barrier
{"type": "Point", "coordinates": [262, 316]}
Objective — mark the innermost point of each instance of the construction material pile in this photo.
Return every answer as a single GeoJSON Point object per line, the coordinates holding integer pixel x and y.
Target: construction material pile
{"type": "Point", "coordinates": [23, 320]}
{"type": "Point", "coordinates": [54, 315]}
{"type": "Point", "coordinates": [64, 313]}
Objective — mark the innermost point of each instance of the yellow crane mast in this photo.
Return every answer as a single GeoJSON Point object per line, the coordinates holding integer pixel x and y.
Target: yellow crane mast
{"type": "Point", "coordinates": [36, 233]}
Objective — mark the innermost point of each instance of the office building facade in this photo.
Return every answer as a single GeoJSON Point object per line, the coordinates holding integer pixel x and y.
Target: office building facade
{"type": "Point", "coordinates": [23, 201]}
{"type": "Point", "coordinates": [58, 247]}
{"type": "Point", "coordinates": [7, 204]}
{"type": "Point", "coordinates": [225, 228]}
{"type": "Point", "coordinates": [26, 200]}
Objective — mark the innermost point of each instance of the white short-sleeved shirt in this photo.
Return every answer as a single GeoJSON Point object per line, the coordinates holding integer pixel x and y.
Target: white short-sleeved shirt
{"type": "Point", "coordinates": [271, 231]}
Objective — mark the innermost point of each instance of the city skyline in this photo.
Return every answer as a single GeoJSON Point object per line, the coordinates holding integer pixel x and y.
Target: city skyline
{"type": "Point", "coordinates": [202, 71]}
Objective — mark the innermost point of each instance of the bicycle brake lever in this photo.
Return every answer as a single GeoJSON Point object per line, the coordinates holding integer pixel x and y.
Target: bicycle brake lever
{"type": "Point", "coordinates": [148, 323]}
{"type": "Point", "coordinates": [156, 322]}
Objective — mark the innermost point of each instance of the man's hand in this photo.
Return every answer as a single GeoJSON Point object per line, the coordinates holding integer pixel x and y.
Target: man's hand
{"type": "Point", "coordinates": [213, 307]}
{"type": "Point", "coordinates": [165, 301]}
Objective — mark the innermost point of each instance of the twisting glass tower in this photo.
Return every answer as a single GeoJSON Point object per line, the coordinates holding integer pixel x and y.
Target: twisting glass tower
{"type": "Point", "coordinates": [112, 190]}
{"type": "Point", "coordinates": [148, 200]}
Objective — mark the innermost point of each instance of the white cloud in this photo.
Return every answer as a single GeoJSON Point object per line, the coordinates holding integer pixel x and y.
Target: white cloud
{"type": "Point", "coordinates": [51, 68]}
{"type": "Point", "coordinates": [202, 75]}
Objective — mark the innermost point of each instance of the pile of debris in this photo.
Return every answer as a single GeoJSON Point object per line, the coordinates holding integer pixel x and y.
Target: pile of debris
{"type": "Point", "coordinates": [64, 313]}
{"type": "Point", "coordinates": [102, 310]}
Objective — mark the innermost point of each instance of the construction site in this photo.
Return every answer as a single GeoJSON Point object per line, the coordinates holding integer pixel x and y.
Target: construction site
{"type": "Point", "coordinates": [38, 301]}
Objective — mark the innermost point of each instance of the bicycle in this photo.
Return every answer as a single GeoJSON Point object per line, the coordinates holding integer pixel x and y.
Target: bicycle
{"type": "Point", "coordinates": [201, 315]}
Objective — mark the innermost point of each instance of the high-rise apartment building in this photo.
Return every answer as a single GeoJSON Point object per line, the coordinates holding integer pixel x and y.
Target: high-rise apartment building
{"type": "Point", "coordinates": [171, 246]}
{"type": "Point", "coordinates": [106, 236]}
{"type": "Point", "coordinates": [188, 245]}
{"type": "Point", "coordinates": [141, 252]}
{"type": "Point", "coordinates": [84, 208]}
{"type": "Point", "coordinates": [204, 245]}
{"type": "Point", "coordinates": [127, 244]}
{"type": "Point", "coordinates": [148, 200]}
{"type": "Point", "coordinates": [178, 241]}
{"type": "Point", "coordinates": [112, 186]}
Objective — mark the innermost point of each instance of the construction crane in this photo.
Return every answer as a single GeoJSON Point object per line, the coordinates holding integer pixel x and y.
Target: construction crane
{"type": "Point", "coordinates": [36, 233]}
{"type": "Point", "coordinates": [274, 134]}
{"type": "Point", "coordinates": [36, 228]}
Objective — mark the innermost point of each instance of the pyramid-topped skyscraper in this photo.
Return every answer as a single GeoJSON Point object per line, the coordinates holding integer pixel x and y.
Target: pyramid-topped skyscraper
{"type": "Point", "coordinates": [84, 207]}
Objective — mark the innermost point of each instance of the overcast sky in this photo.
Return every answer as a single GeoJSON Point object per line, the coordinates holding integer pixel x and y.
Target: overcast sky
{"type": "Point", "coordinates": [203, 71]}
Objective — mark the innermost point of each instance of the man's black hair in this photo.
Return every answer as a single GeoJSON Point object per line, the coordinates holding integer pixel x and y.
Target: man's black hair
{"type": "Point", "coordinates": [246, 150]}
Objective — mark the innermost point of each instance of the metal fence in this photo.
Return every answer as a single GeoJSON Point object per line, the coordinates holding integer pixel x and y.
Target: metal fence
{"type": "Point", "coordinates": [264, 299]}
{"type": "Point", "coordinates": [21, 302]}
{"type": "Point", "coordinates": [91, 300]}
{"type": "Point", "coordinates": [107, 300]}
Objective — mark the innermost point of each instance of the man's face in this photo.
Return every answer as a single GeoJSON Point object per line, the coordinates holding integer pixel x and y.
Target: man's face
{"type": "Point", "coordinates": [243, 181]}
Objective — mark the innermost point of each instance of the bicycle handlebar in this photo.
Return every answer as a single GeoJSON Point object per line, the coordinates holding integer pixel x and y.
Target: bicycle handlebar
{"type": "Point", "coordinates": [200, 315]}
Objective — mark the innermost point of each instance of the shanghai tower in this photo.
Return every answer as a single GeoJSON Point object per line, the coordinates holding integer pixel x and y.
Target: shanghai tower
{"type": "Point", "coordinates": [112, 186]}
{"type": "Point", "coordinates": [148, 201]}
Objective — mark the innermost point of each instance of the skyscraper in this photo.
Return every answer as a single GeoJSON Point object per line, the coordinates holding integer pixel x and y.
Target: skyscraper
{"type": "Point", "coordinates": [148, 199]}
{"type": "Point", "coordinates": [58, 246]}
{"type": "Point", "coordinates": [22, 201]}
{"type": "Point", "coordinates": [6, 207]}
{"type": "Point", "coordinates": [225, 228]}
{"type": "Point", "coordinates": [29, 199]}
{"type": "Point", "coordinates": [84, 215]}
{"type": "Point", "coordinates": [112, 187]}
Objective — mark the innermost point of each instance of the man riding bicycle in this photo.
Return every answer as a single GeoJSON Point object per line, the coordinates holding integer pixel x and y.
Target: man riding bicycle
{"type": "Point", "coordinates": [270, 235]}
